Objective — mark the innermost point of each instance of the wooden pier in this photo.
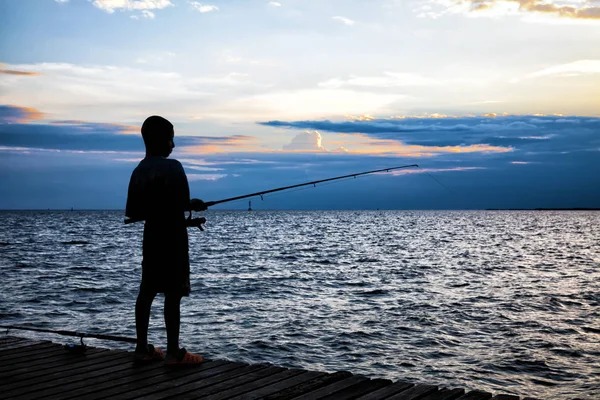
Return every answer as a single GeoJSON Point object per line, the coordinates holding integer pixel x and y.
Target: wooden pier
{"type": "Point", "coordinates": [32, 369]}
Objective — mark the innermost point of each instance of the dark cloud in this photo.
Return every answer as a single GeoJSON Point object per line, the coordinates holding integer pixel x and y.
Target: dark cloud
{"type": "Point", "coordinates": [15, 114]}
{"type": "Point", "coordinates": [536, 133]}
{"type": "Point", "coordinates": [15, 131]}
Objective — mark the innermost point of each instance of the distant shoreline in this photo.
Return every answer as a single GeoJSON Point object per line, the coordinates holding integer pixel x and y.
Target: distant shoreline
{"type": "Point", "coordinates": [543, 209]}
{"type": "Point", "coordinates": [363, 209]}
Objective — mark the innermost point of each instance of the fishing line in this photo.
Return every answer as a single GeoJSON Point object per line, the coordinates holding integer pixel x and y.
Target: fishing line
{"type": "Point", "coordinates": [435, 179]}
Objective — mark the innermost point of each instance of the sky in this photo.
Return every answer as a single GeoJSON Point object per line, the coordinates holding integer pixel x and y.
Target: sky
{"type": "Point", "coordinates": [497, 101]}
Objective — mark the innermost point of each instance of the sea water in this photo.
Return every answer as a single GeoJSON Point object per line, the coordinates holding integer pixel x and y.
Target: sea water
{"type": "Point", "coordinates": [503, 301]}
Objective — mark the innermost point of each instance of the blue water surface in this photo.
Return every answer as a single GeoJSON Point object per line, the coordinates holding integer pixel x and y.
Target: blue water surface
{"type": "Point", "coordinates": [503, 301]}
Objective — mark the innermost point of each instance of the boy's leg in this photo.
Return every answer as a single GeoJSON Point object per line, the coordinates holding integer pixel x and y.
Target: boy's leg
{"type": "Point", "coordinates": [142, 318]}
{"type": "Point", "coordinates": [175, 355]}
{"type": "Point", "coordinates": [172, 322]}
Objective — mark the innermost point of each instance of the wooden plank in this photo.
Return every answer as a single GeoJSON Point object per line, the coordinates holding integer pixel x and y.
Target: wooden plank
{"type": "Point", "coordinates": [37, 381]}
{"type": "Point", "coordinates": [505, 397]}
{"type": "Point", "coordinates": [194, 387]}
{"type": "Point", "coordinates": [359, 389]}
{"type": "Point", "coordinates": [387, 391]}
{"type": "Point", "coordinates": [31, 345]}
{"type": "Point", "coordinates": [20, 347]}
{"type": "Point", "coordinates": [20, 370]}
{"type": "Point", "coordinates": [279, 386]}
{"type": "Point", "coordinates": [37, 357]}
{"type": "Point", "coordinates": [91, 380]}
{"type": "Point", "coordinates": [9, 339]}
{"type": "Point", "coordinates": [332, 388]}
{"type": "Point", "coordinates": [247, 376]}
{"type": "Point", "coordinates": [476, 395]}
{"type": "Point", "coordinates": [67, 362]}
{"type": "Point", "coordinates": [415, 392]}
{"type": "Point", "coordinates": [445, 394]}
{"type": "Point", "coordinates": [250, 386]}
{"type": "Point", "coordinates": [9, 354]}
{"type": "Point", "coordinates": [309, 386]}
{"type": "Point", "coordinates": [134, 381]}
{"type": "Point", "coordinates": [42, 362]}
{"type": "Point", "coordinates": [132, 389]}
{"type": "Point", "coordinates": [21, 343]}
{"type": "Point", "coordinates": [33, 350]}
{"type": "Point", "coordinates": [176, 384]}
{"type": "Point", "coordinates": [46, 380]}
{"type": "Point", "coordinates": [94, 380]}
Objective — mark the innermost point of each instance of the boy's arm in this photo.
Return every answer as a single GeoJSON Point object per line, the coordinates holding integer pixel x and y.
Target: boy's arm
{"type": "Point", "coordinates": [133, 208]}
{"type": "Point", "coordinates": [183, 189]}
{"type": "Point", "coordinates": [189, 205]}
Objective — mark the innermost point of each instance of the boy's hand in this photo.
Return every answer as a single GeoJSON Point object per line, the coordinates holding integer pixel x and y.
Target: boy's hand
{"type": "Point", "coordinates": [197, 205]}
{"type": "Point", "coordinates": [196, 222]}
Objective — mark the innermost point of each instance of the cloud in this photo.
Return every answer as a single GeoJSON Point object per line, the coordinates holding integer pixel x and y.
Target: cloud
{"type": "Point", "coordinates": [306, 141]}
{"type": "Point", "coordinates": [205, 177]}
{"type": "Point", "coordinates": [148, 14]}
{"type": "Point", "coordinates": [317, 102]}
{"type": "Point", "coordinates": [18, 115]}
{"type": "Point", "coordinates": [18, 73]}
{"type": "Point", "coordinates": [274, 4]}
{"type": "Point", "coordinates": [389, 79]}
{"type": "Point", "coordinates": [62, 1]}
{"type": "Point", "coordinates": [131, 5]}
{"type": "Point", "coordinates": [574, 68]}
{"type": "Point", "coordinates": [572, 9]}
{"type": "Point", "coordinates": [458, 134]}
{"type": "Point", "coordinates": [203, 8]}
{"type": "Point", "coordinates": [344, 20]}
{"type": "Point", "coordinates": [116, 90]}
{"type": "Point", "coordinates": [19, 128]}
{"type": "Point", "coordinates": [220, 144]}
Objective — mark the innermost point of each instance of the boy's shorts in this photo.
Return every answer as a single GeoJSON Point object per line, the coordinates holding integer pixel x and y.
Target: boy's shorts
{"type": "Point", "coordinates": [166, 262]}
{"type": "Point", "coordinates": [166, 277]}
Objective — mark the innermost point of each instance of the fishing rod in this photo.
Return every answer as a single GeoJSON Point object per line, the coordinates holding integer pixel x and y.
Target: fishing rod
{"type": "Point", "coordinates": [314, 183]}
{"type": "Point", "coordinates": [80, 335]}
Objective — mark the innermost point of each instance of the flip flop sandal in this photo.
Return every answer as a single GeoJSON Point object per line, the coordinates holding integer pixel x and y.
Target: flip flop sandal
{"type": "Point", "coordinates": [153, 354]}
{"type": "Point", "coordinates": [185, 359]}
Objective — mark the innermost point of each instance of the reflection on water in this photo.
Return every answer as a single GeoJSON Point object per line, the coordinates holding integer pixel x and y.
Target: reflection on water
{"type": "Point", "coordinates": [500, 301]}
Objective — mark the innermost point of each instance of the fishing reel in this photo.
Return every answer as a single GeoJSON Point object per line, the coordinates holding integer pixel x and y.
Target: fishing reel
{"type": "Point", "coordinates": [197, 222]}
{"type": "Point", "coordinates": [76, 348]}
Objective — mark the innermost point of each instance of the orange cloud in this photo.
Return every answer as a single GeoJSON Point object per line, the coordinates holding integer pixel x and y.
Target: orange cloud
{"type": "Point", "coordinates": [19, 115]}
{"type": "Point", "coordinates": [365, 145]}
{"type": "Point", "coordinates": [19, 73]}
{"type": "Point", "coordinates": [123, 129]}
{"type": "Point", "coordinates": [231, 144]}
{"type": "Point", "coordinates": [580, 10]}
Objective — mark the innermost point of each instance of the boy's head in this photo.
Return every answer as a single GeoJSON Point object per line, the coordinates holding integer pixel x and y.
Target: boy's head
{"type": "Point", "coordinates": [158, 136]}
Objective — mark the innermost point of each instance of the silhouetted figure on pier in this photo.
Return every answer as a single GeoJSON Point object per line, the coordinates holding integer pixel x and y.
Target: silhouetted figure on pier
{"type": "Point", "coordinates": [159, 194]}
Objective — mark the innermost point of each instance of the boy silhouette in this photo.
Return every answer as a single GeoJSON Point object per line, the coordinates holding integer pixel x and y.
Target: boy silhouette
{"type": "Point", "coordinates": [159, 194]}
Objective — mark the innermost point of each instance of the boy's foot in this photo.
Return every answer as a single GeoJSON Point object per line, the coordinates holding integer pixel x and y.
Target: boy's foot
{"type": "Point", "coordinates": [182, 358]}
{"type": "Point", "coordinates": [150, 354]}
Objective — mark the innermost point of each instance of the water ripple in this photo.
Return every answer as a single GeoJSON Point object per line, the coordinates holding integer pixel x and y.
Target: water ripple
{"type": "Point", "coordinates": [499, 301]}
